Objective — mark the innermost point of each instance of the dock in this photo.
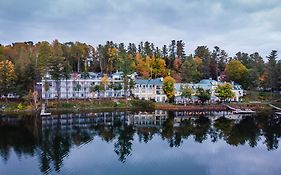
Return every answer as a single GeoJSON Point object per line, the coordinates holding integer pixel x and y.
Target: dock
{"type": "Point", "coordinates": [275, 107]}
{"type": "Point", "coordinates": [43, 111]}
{"type": "Point", "coordinates": [240, 111]}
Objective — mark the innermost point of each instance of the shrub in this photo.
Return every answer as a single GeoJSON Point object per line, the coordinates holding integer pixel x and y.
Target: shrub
{"type": "Point", "coordinates": [20, 106]}
{"type": "Point", "coordinates": [143, 104]}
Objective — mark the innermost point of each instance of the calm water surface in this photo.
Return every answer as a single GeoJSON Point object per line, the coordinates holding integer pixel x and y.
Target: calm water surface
{"type": "Point", "coordinates": [160, 142]}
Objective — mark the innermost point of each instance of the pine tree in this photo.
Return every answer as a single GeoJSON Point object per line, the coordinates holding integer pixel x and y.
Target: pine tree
{"type": "Point", "coordinates": [272, 70]}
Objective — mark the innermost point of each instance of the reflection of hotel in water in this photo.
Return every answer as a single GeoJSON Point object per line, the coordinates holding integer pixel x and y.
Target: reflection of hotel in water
{"type": "Point", "coordinates": [137, 119]}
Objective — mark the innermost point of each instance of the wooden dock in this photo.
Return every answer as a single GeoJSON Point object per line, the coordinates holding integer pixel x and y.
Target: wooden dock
{"type": "Point", "coordinates": [240, 111]}
{"type": "Point", "coordinates": [43, 111]}
{"type": "Point", "coordinates": [275, 107]}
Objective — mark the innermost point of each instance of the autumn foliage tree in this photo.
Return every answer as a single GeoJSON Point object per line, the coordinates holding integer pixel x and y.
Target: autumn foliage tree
{"type": "Point", "coordinates": [168, 87]}
{"type": "Point", "coordinates": [236, 72]}
{"type": "Point", "coordinates": [224, 91]}
{"type": "Point", "coordinates": [7, 78]}
{"type": "Point", "coordinates": [104, 83]}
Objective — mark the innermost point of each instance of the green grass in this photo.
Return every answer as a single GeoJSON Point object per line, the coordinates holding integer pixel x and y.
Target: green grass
{"type": "Point", "coordinates": [13, 106]}
{"type": "Point", "coordinates": [101, 103]}
{"type": "Point", "coordinates": [261, 96]}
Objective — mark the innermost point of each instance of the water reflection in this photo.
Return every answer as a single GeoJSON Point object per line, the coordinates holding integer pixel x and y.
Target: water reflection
{"type": "Point", "coordinates": [51, 139]}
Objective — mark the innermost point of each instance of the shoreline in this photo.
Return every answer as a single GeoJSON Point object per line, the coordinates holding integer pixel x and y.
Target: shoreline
{"type": "Point", "coordinates": [156, 106]}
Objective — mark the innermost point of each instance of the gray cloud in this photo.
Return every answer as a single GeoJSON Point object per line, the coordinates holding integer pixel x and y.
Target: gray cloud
{"type": "Point", "coordinates": [234, 25]}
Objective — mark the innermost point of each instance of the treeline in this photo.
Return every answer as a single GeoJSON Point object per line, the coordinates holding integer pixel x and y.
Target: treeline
{"type": "Point", "coordinates": [24, 64]}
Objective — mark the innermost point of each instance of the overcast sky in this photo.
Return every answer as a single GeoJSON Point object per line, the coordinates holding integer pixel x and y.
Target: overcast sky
{"type": "Point", "coordinates": [233, 25]}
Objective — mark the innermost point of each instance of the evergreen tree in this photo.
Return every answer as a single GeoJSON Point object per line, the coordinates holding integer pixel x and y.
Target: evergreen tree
{"type": "Point", "coordinates": [172, 54]}
{"type": "Point", "coordinates": [147, 49]}
{"type": "Point", "coordinates": [272, 70]}
{"type": "Point", "coordinates": [203, 95]}
{"type": "Point", "coordinates": [189, 71]}
{"type": "Point", "coordinates": [203, 53]}
{"type": "Point", "coordinates": [132, 49]}
{"type": "Point", "coordinates": [180, 49]}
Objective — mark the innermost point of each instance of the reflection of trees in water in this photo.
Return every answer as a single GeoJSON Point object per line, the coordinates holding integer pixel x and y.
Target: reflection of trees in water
{"type": "Point", "coordinates": [245, 131]}
{"type": "Point", "coordinates": [18, 138]}
{"type": "Point", "coordinates": [51, 146]}
{"type": "Point", "coordinates": [146, 134]}
{"type": "Point", "coordinates": [123, 145]}
{"type": "Point", "coordinates": [271, 128]}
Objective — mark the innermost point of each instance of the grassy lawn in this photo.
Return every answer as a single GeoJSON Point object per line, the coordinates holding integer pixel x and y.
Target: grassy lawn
{"type": "Point", "coordinates": [262, 96]}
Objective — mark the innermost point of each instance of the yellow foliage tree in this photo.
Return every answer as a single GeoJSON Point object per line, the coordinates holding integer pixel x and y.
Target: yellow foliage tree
{"type": "Point", "coordinates": [224, 91]}
{"type": "Point", "coordinates": [104, 82]}
{"type": "Point", "coordinates": [7, 77]}
{"type": "Point", "coordinates": [158, 67]}
{"type": "Point", "coordinates": [150, 67]}
{"type": "Point", "coordinates": [112, 57]}
{"type": "Point", "coordinates": [236, 71]}
{"type": "Point", "coordinates": [143, 65]}
{"type": "Point", "coordinates": [168, 87]}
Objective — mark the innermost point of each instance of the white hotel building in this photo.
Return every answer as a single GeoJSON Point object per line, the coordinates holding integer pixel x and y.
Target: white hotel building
{"type": "Point", "coordinates": [78, 88]}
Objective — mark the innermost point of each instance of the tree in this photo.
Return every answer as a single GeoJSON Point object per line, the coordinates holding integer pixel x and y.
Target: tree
{"type": "Point", "coordinates": [236, 72]}
{"type": "Point", "coordinates": [112, 55]}
{"type": "Point", "coordinates": [76, 87]}
{"type": "Point", "coordinates": [148, 49]}
{"type": "Point", "coordinates": [168, 87]}
{"type": "Point", "coordinates": [27, 76]}
{"type": "Point", "coordinates": [66, 75]}
{"type": "Point", "coordinates": [44, 57]}
{"type": "Point", "coordinates": [186, 91]}
{"type": "Point", "coordinates": [256, 71]}
{"type": "Point", "coordinates": [79, 52]}
{"type": "Point", "coordinates": [203, 95]}
{"type": "Point", "coordinates": [189, 71]}
{"type": "Point", "coordinates": [279, 75]}
{"type": "Point", "coordinates": [126, 64]}
{"type": "Point", "coordinates": [224, 91]}
{"type": "Point", "coordinates": [165, 53]}
{"type": "Point", "coordinates": [104, 83]}
{"type": "Point", "coordinates": [272, 70]}
{"type": "Point", "coordinates": [46, 87]}
{"type": "Point", "coordinates": [56, 71]}
{"type": "Point", "coordinates": [95, 88]}
{"type": "Point", "coordinates": [244, 58]}
{"type": "Point", "coordinates": [56, 65]}
{"type": "Point", "coordinates": [7, 78]}
{"type": "Point", "coordinates": [132, 49]}
{"type": "Point", "coordinates": [158, 67]}
{"type": "Point", "coordinates": [214, 72]}
{"type": "Point", "coordinates": [180, 49]}
{"type": "Point", "coordinates": [204, 54]}
{"type": "Point", "coordinates": [143, 65]}
{"type": "Point", "coordinates": [172, 54]}
{"type": "Point", "coordinates": [84, 76]}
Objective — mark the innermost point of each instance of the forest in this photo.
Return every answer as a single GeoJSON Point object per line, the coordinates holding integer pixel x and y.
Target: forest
{"type": "Point", "coordinates": [23, 64]}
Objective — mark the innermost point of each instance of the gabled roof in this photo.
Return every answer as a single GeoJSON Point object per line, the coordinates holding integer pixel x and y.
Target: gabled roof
{"type": "Point", "coordinates": [156, 81]}
{"type": "Point", "coordinates": [177, 86]}
{"type": "Point", "coordinates": [117, 74]}
{"type": "Point", "coordinates": [208, 82]}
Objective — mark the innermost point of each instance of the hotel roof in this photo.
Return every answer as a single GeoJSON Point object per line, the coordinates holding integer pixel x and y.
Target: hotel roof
{"type": "Point", "coordinates": [156, 81]}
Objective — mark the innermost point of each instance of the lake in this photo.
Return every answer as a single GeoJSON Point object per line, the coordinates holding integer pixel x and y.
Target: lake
{"type": "Point", "coordinates": [159, 142]}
